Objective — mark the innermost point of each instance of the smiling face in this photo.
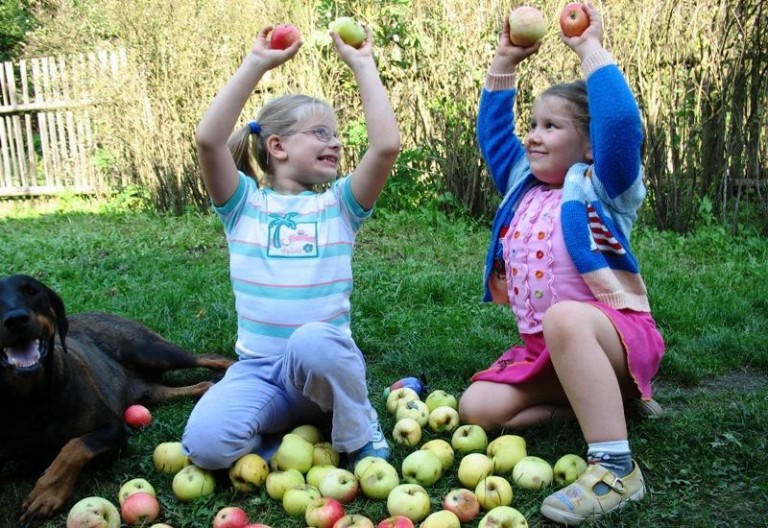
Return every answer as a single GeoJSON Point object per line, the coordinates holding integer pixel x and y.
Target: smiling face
{"type": "Point", "coordinates": [555, 140]}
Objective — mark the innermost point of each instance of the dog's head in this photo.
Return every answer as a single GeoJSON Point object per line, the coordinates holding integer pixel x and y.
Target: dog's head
{"type": "Point", "coordinates": [30, 314]}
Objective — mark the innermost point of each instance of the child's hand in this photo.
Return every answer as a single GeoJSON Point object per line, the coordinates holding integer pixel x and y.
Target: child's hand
{"type": "Point", "coordinates": [508, 55]}
{"type": "Point", "coordinates": [352, 55]}
{"type": "Point", "coordinates": [272, 58]}
{"type": "Point", "coordinates": [591, 38]}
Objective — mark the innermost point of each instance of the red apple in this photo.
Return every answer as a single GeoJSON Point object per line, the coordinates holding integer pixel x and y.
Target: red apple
{"type": "Point", "coordinates": [323, 512]}
{"type": "Point", "coordinates": [463, 503]}
{"type": "Point", "coordinates": [140, 508]}
{"type": "Point", "coordinates": [574, 19]}
{"type": "Point", "coordinates": [283, 35]}
{"type": "Point", "coordinates": [527, 26]}
{"type": "Point", "coordinates": [396, 521]}
{"type": "Point", "coordinates": [137, 416]}
{"type": "Point", "coordinates": [257, 525]}
{"type": "Point", "coordinates": [230, 517]}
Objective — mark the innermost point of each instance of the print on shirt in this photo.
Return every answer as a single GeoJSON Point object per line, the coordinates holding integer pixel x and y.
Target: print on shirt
{"type": "Point", "coordinates": [291, 239]}
{"type": "Point", "coordinates": [601, 237]}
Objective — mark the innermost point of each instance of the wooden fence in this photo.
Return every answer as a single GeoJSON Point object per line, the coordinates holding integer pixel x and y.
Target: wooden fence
{"type": "Point", "coordinates": [47, 139]}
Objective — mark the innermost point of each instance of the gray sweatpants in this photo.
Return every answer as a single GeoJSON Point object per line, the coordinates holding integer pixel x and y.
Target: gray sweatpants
{"type": "Point", "coordinates": [321, 376]}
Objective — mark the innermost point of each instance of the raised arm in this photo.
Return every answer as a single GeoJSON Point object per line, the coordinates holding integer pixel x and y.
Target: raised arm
{"type": "Point", "coordinates": [216, 162]}
{"type": "Point", "coordinates": [370, 176]}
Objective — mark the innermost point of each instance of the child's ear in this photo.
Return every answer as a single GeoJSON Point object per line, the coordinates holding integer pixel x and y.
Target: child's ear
{"type": "Point", "coordinates": [275, 148]}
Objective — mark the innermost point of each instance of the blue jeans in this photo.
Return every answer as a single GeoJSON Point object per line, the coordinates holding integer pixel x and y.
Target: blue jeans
{"type": "Point", "coordinates": [320, 377]}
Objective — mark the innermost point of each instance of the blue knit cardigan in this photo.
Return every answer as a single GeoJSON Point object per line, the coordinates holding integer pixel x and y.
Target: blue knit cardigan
{"type": "Point", "coordinates": [600, 201]}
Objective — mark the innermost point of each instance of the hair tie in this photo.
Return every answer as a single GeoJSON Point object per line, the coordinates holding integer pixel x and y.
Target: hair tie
{"type": "Point", "coordinates": [255, 127]}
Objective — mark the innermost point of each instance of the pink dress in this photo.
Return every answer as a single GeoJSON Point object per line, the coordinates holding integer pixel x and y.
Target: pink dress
{"type": "Point", "coordinates": [540, 273]}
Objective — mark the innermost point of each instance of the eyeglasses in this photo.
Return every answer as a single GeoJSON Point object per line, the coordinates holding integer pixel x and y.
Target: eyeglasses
{"type": "Point", "coordinates": [322, 133]}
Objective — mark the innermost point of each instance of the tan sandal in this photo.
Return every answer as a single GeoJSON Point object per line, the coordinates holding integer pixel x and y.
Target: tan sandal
{"type": "Point", "coordinates": [578, 501]}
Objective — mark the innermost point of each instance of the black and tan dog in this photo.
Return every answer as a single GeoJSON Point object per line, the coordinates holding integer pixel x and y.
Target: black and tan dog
{"type": "Point", "coordinates": [66, 381]}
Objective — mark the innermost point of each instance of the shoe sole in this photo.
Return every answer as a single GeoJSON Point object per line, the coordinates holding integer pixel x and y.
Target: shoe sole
{"type": "Point", "coordinates": [574, 519]}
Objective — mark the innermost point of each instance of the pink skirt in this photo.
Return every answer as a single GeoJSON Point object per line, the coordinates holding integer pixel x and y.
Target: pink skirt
{"type": "Point", "coordinates": [638, 333]}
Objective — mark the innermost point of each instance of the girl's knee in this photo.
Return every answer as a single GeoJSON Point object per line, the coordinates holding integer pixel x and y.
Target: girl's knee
{"type": "Point", "coordinates": [210, 449]}
{"type": "Point", "coordinates": [473, 409]}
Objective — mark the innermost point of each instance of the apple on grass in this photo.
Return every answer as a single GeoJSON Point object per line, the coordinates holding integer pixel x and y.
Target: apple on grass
{"type": "Point", "coordinates": [169, 457]}
{"type": "Point", "coordinates": [441, 519]}
{"type": "Point", "coordinates": [354, 521]}
{"type": "Point", "coordinates": [93, 512]}
{"type": "Point", "coordinates": [363, 464]}
{"type": "Point", "coordinates": [310, 433]}
{"type": "Point", "coordinates": [283, 36]}
{"type": "Point", "coordinates": [297, 498]}
{"type": "Point", "coordinates": [574, 19]}
{"type": "Point", "coordinates": [473, 468]}
{"type": "Point", "coordinates": [192, 482]}
{"type": "Point", "coordinates": [140, 508]}
{"type": "Point", "coordinates": [230, 517]}
{"type": "Point", "coordinates": [503, 517]}
{"type": "Point", "coordinates": [421, 467]}
{"type": "Point", "coordinates": [463, 503]}
{"type": "Point", "coordinates": [279, 481]}
{"type": "Point", "coordinates": [506, 451]}
{"type": "Point", "coordinates": [441, 398]}
{"type": "Point", "coordinates": [323, 454]}
{"type": "Point", "coordinates": [410, 500]}
{"type": "Point", "coordinates": [568, 469]}
{"type": "Point", "coordinates": [137, 416]}
{"type": "Point", "coordinates": [532, 473]}
{"type": "Point", "coordinates": [133, 486]}
{"type": "Point", "coordinates": [493, 491]}
{"type": "Point", "coordinates": [442, 449]}
{"type": "Point", "coordinates": [444, 419]}
{"type": "Point", "coordinates": [415, 409]}
{"type": "Point", "coordinates": [248, 473]}
{"type": "Point", "coordinates": [398, 395]}
{"type": "Point", "coordinates": [340, 484]}
{"type": "Point", "coordinates": [396, 521]}
{"type": "Point", "coordinates": [323, 512]}
{"type": "Point", "coordinates": [407, 432]}
{"type": "Point", "coordinates": [294, 452]}
{"type": "Point", "coordinates": [316, 474]}
{"type": "Point", "coordinates": [469, 438]}
{"type": "Point", "coordinates": [378, 480]}
{"type": "Point", "coordinates": [527, 26]}
{"type": "Point", "coordinates": [350, 31]}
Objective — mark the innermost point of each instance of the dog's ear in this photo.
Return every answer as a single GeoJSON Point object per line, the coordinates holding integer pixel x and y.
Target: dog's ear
{"type": "Point", "coordinates": [61, 316]}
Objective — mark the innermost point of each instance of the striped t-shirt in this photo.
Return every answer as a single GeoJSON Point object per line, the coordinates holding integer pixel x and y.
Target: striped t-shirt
{"type": "Point", "coordinates": [290, 261]}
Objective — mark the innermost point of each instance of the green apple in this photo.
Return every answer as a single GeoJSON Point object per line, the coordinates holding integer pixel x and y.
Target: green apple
{"type": "Point", "coordinates": [473, 468]}
{"type": "Point", "coordinates": [294, 452]}
{"type": "Point", "coordinates": [441, 519]}
{"type": "Point", "coordinates": [340, 484]}
{"type": "Point", "coordinates": [93, 512]}
{"type": "Point", "coordinates": [169, 457]}
{"type": "Point", "coordinates": [493, 491]}
{"type": "Point", "coordinates": [192, 482]}
{"type": "Point", "coordinates": [440, 398]}
{"type": "Point", "coordinates": [444, 419]}
{"type": "Point", "coordinates": [310, 433]}
{"type": "Point", "coordinates": [248, 473]}
{"type": "Point", "coordinates": [409, 500]}
{"type": "Point", "coordinates": [469, 439]}
{"type": "Point", "coordinates": [354, 521]}
{"type": "Point", "coordinates": [442, 449]}
{"type": "Point", "coordinates": [279, 481]}
{"type": "Point", "coordinates": [378, 480]}
{"type": "Point", "coordinates": [398, 395]}
{"type": "Point", "coordinates": [532, 473]}
{"type": "Point", "coordinates": [407, 432]}
{"type": "Point", "coordinates": [422, 467]}
{"type": "Point", "coordinates": [363, 464]}
{"type": "Point", "coordinates": [132, 486]}
{"type": "Point", "coordinates": [503, 517]}
{"type": "Point", "coordinates": [324, 454]}
{"type": "Point", "coordinates": [506, 451]}
{"type": "Point", "coordinates": [568, 468]}
{"type": "Point", "coordinates": [316, 473]}
{"type": "Point", "coordinates": [297, 498]}
{"type": "Point", "coordinates": [526, 26]}
{"type": "Point", "coordinates": [415, 409]}
{"type": "Point", "coordinates": [350, 31]}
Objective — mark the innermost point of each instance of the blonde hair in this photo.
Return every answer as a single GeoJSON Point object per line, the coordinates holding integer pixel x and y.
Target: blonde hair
{"type": "Point", "coordinates": [575, 94]}
{"type": "Point", "coordinates": [277, 117]}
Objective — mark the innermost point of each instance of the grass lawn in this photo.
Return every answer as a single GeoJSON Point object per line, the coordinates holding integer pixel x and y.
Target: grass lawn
{"type": "Point", "coordinates": [417, 310]}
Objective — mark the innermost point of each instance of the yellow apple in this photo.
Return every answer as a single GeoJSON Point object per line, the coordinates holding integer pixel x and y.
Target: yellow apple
{"type": "Point", "coordinates": [469, 438]}
{"type": "Point", "coordinates": [398, 395]}
{"type": "Point", "coordinates": [442, 449]}
{"type": "Point", "coordinates": [248, 473]}
{"type": "Point", "coordinates": [532, 473]}
{"type": "Point", "coordinates": [473, 468]}
{"type": "Point", "coordinates": [294, 452]}
{"type": "Point", "coordinates": [440, 398]}
{"type": "Point", "coordinates": [493, 491]}
{"type": "Point", "coordinates": [441, 519]}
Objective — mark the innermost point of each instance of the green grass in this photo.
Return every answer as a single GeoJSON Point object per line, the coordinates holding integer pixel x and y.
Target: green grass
{"type": "Point", "coordinates": [417, 310]}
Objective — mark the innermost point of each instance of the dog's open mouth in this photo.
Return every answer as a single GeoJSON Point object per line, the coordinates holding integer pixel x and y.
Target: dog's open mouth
{"type": "Point", "coordinates": [24, 355]}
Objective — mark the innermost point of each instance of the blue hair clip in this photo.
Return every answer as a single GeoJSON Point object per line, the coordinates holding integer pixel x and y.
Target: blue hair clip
{"type": "Point", "coordinates": [255, 127]}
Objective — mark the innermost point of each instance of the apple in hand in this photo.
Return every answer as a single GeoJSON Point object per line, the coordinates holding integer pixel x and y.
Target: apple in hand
{"type": "Point", "coordinates": [297, 498]}
{"type": "Point", "coordinates": [493, 491]}
{"type": "Point", "coordinates": [169, 457]}
{"type": "Point", "coordinates": [378, 480]}
{"type": "Point", "coordinates": [463, 503]}
{"type": "Point", "coordinates": [421, 467]}
{"type": "Point", "coordinates": [248, 473]}
{"type": "Point", "coordinates": [340, 484]}
{"type": "Point", "coordinates": [407, 432]}
{"type": "Point", "coordinates": [441, 398]}
{"type": "Point", "coordinates": [503, 517]}
{"type": "Point", "coordinates": [396, 521]}
{"type": "Point", "coordinates": [527, 26]}
{"type": "Point", "coordinates": [137, 416]}
{"type": "Point", "coordinates": [133, 486]}
{"type": "Point", "coordinates": [350, 31]}
{"type": "Point", "coordinates": [140, 508]}
{"type": "Point", "coordinates": [396, 396]}
{"type": "Point", "coordinates": [441, 519]}
{"type": "Point", "coordinates": [473, 468]}
{"type": "Point", "coordinates": [574, 19]}
{"type": "Point", "coordinates": [410, 500]}
{"type": "Point", "coordinates": [568, 468]}
{"type": "Point", "coordinates": [230, 517]}
{"type": "Point", "coordinates": [93, 512]}
{"type": "Point", "coordinates": [469, 438]}
{"type": "Point", "coordinates": [444, 419]}
{"type": "Point", "coordinates": [280, 481]}
{"type": "Point", "coordinates": [323, 512]}
{"type": "Point", "coordinates": [442, 449]}
{"type": "Point", "coordinates": [193, 482]}
{"type": "Point", "coordinates": [532, 473]}
{"type": "Point", "coordinates": [283, 36]}
{"type": "Point", "coordinates": [354, 521]}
